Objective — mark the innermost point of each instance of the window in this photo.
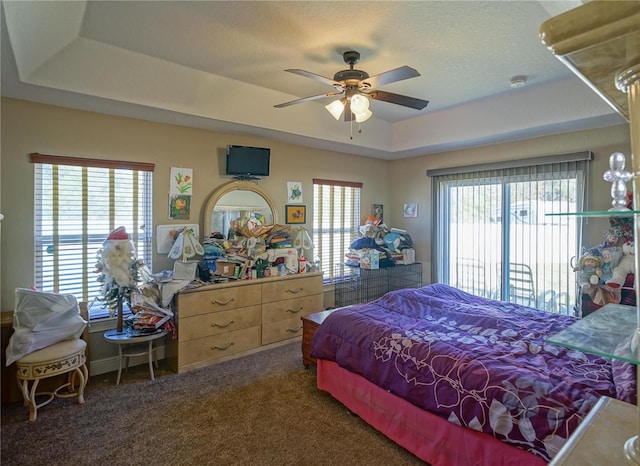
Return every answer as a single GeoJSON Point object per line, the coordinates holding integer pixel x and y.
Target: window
{"type": "Point", "coordinates": [336, 219]}
{"type": "Point", "coordinates": [494, 237]}
{"type": "Point", "coordinates": [78, 202]}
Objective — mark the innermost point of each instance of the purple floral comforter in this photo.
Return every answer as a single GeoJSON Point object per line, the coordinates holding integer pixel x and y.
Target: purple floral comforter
{"type": "Point", "coordinates": [479, 363]}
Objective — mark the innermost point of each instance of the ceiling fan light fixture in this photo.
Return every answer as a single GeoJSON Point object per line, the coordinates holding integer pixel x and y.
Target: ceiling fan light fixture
{"type": "Point", "coordinates": [363, 116]}
{"type": "Point", "coordinates": [357, 89]}
{"type": "Point", "coordinates": [335, 108]}
{"type": "Point", "coordinates": [359, 104]}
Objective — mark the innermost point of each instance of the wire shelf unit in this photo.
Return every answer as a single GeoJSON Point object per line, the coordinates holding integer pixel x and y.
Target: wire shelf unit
{"type": "Point", "coordinates": [354, 285]}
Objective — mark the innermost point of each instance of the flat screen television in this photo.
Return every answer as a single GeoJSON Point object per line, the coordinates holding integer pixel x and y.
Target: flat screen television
{"type": "Point", "coordinates": [248, 162]}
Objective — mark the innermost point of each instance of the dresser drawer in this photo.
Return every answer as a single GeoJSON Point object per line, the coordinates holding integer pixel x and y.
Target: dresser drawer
{"type": "Point", "coordinates": [191, 304]}
{"type": "Point", "coordinates": [219, 322]}
{"type": "Point", "coordinates": [218, 346]}
{"type": "Point", "coordinates": [281, 330]}
{"type": "Point", "coordinates": [288, 308]}
{"type": "Point", "coordinates": [294, 288]}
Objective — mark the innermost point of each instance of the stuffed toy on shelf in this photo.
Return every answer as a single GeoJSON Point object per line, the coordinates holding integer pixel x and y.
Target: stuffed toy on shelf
{"type": "Point", "coordinates": [610, 259]}
{"type": "Point", "coordinates": [589, 268]}
{"type": "Point", "coordinates": [626, 266]}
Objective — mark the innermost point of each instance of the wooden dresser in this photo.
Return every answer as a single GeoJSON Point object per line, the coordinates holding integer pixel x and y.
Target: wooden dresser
{"type": "Point", "coordinates": [223, 321]}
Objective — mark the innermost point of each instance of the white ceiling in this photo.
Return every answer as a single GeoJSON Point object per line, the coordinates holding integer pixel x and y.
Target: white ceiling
{"type": "Point", "coordinates": [219, 65]}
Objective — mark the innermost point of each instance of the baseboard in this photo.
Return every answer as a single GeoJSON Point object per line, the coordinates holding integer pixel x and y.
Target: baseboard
{"type": "Point", "coordinates": [102, 366]}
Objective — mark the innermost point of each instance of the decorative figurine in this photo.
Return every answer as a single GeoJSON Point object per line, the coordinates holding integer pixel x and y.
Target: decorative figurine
{"type": "Point", "coordinates": [618, 177]}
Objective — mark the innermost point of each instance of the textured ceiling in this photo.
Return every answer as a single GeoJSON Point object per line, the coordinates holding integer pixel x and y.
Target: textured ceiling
{"type": "Point", "coordinates": [220, 65]}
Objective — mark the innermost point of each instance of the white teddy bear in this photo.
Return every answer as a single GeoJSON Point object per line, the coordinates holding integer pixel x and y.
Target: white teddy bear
{"type": "Point", "coordinates": [626, 266]}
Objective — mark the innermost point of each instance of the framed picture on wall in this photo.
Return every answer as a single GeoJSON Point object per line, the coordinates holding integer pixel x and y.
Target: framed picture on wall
{"type": "Point", "coordinates": [377, 211]}
{"type": "Point", "coordinates": [411, 210]}
{"type": "Point", "coordinates": [295, 213]}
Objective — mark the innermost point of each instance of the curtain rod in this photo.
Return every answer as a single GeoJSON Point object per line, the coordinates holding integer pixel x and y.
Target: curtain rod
{"type": "Point", "coordinates": [572, 157]}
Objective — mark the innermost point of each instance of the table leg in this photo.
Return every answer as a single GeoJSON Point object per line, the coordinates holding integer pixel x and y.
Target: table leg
{"type": "Point", "coordinates": [151, 359]}
{"type": "Point", "coordinates": [119, 364]}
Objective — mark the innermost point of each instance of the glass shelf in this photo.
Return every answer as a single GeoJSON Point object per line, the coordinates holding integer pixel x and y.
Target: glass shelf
{"type": "Point", "coordinates": [606, 332]}
{"type": "Point", "coordinates": [596, 213]}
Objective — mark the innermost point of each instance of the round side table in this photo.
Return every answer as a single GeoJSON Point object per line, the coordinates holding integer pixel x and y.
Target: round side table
{"type": "Point", "coordinates": [133, 345]}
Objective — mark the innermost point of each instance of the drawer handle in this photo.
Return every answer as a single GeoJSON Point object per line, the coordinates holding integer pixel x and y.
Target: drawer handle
{"type": "Point", "coordinates": [294, 330]}
{"type": "Point", "coordinates": [223, 303]}
{"type": "Point", "coordinates": [231, 321]}
{"type": "Point", "coordinates": [214, 347]}
{"type": "Point", "coordinates": [295, 311]}
{"type": "Point", "coordinates": [297, 290]}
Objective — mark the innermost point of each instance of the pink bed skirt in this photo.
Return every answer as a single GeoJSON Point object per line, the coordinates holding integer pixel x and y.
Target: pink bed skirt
{"type": "Point", "coordinates": [431, 438]}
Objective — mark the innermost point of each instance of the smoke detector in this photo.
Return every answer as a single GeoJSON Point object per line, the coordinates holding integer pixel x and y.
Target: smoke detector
{"type": "Point", "coordinates": [518, 81]}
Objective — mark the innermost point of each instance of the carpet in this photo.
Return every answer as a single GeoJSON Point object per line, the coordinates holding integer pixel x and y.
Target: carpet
{"type": "Point", "coordinates": [261, 409]}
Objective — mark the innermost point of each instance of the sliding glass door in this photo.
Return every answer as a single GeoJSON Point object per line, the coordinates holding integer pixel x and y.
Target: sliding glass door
{"type": "Point", "coordinates": [495, 236]}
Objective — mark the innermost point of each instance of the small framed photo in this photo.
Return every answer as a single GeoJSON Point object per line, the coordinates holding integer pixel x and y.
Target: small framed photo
{"type": "Point", "coordinates": [295, 213]}
{"type": "Point", "coordinates": [377, 211]}
{"type": "Point", "coordinates": [411, 210]}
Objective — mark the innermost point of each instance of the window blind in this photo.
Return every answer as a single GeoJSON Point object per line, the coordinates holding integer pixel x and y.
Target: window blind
{"type": "Point", "coordinates": [78, 202]}
{"type": "Point", "coordinates": [494, 237]}
{"type": "Point", "coordinates": [336, 218]}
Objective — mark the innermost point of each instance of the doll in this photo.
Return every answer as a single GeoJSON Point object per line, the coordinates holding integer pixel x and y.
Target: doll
{"type": "Point", "coordinates": [626, 265]}
{"type": "Point", "coordinates": [590, 270]}
{"type": "Point", "coordinates": [610, 259]}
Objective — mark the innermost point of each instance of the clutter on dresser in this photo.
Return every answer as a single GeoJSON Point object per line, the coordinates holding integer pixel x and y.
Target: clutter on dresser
{"type": "Point", "coordinates": [185, 247]}
{"type": "Point", "coordinates": [252, 250]}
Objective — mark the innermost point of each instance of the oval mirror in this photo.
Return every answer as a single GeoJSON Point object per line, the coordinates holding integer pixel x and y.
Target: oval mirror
{"type": "Point", "coordinates": [235, 200]}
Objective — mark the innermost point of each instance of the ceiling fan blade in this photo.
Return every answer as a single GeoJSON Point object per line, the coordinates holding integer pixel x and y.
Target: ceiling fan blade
{"type": "Point", "coordinates": [398, 99]}
{"type": "Point", "coordinates": [308, 99]}
{"type": "Point", "coordinates": [391, 76]}
{"type": "Point", "coordinates": [317, 77]}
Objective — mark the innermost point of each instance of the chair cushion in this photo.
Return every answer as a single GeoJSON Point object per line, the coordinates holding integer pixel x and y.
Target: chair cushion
{"type": "Point", "coordinates": [54, 352]}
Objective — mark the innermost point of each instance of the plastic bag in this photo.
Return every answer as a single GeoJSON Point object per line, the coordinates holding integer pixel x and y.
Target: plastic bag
{"type": "Point", "coordinates": [42, 319]}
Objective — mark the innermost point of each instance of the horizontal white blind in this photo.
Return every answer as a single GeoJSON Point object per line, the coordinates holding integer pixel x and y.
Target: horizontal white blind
{"type": "Point", "coordinates": [336, 218]}
{"type": "Point", "coordinates": [76, 207]}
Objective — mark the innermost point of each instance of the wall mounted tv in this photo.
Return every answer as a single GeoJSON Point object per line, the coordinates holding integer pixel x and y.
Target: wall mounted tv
{"type": "Point", "coordinates": [248, 163]}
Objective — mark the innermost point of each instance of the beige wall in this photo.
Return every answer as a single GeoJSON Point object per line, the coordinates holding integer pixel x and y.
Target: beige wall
{"type": "Point", "coordinates": [409, 183]}
{"type": "Point", "coordinates": [27, 127]}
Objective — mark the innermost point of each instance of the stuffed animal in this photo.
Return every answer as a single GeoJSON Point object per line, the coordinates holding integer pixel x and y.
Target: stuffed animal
{"type": "Point", "coordinates": [610, 259]}
{"type": "Point", "coordinates": [589, 268]}
{"type": "Point", "coordinates": [626, 266]}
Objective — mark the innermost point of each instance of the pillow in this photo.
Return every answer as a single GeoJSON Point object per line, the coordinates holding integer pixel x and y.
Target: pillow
{"type": "Point", "coordinates": [42, 319]}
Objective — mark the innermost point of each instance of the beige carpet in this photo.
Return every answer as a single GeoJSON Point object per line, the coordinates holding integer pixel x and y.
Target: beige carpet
{"type": "Point", "coordinates": [262, 409]}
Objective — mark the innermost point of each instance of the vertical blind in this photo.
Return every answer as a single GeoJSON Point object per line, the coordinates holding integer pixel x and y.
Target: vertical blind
{"type": "Point", "coordinates": [336, 218]}
{"type": "Point", "coordinates": [500, 231]}
{"type": "Point", "coordinates": [78, 202]}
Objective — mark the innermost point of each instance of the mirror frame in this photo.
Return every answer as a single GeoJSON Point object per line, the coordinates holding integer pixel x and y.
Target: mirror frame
{"type": "Point", "coordinates": [220, 191]}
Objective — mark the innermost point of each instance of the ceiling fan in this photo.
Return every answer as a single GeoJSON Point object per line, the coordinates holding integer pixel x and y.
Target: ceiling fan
{"type": "Point", "coordinates": [353, 84]}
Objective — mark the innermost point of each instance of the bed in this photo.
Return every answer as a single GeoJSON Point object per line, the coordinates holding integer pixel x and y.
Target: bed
{"type": "Point", "coordinates": [462, 380]}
